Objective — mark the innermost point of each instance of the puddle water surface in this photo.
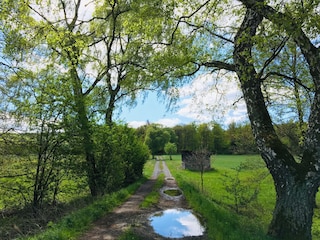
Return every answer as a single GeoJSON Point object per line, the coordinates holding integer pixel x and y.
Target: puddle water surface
{"type": "Point", "coordinates": [176, 223]}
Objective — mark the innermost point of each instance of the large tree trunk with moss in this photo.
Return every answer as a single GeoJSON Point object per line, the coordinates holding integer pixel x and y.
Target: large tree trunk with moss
{"type": "Point", "coordinates": [296, 183]}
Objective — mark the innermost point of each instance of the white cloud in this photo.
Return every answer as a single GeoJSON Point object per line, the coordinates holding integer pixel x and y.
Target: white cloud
{"type": "Point", "coordinates": [166, 122]}
{"type": "Point", "coordinates": [213, 97]}
{"type": "Point", "coordinates": [169, 122]}
{"type": "Point", "coordinates": [136, 124]}
{"type": "Point", "coordinates": [192, 225]}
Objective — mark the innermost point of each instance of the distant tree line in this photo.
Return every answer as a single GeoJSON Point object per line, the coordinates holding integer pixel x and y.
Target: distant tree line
{"type": "Point", "coordinates": [235, 139]}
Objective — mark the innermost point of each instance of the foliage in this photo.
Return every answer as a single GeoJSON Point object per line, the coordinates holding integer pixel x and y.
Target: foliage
{"type": "Point", "coordinates": [264, 48]}
{"type": "Point", "coordinates": [133, 152]}
{"type": "Point", "coordinates": [187, 137]}
{"type": "Point", "coordinates": [120, 155]}
{"type": "Point", "coordinates": [220, 221]}
{"type": "Point", "coordinates": [80, 63]}
{"type": "Point", "coordinates": [241, 139]}
{"type": "Point", "coordinates": [206, 137]}
{"type": "Point", "coordinates": [156, 138]}
{"type": "Point", "coordinates": [35, 170]}
{"type": "Point", "coordinates": [74, 69]}
{"type": "Point", "coordinates": [38, 168]}
{"type": "Point", "coordinates": [220, 141]}
{"type": "Point", "coordinates": [170, 148]}
{"type": "Point", "coordinates": [236, 139]}
{"type": "Point", "coordinates": [291, 135]}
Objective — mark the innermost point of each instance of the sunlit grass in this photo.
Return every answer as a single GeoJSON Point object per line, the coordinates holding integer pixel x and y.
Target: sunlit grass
{"type": "Point", "coordinates": [148, 168]}
{"type": "Point", "coordinates": [215, 203]}
{"type": "Point", "coordinates": [153, 197]}
{"type": "Point", "coordinates": [73, 225]}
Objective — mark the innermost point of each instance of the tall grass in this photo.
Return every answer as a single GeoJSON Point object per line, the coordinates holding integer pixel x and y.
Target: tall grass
{"type": "Point", "coordinates": [75, 224]}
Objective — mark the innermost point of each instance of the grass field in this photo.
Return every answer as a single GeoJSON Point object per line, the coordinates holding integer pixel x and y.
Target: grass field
{"type": "Point", "coordinates": [231, 181]}
{"type": "Point", "coordinates": [225, 203]}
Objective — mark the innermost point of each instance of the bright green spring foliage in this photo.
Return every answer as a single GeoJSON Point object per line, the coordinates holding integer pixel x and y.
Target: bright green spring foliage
{"type": "Point", "coordinates": [71, 64]}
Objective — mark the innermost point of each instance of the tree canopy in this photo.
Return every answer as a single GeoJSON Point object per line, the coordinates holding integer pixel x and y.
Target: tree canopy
{"type": "Point", "coordinates": [76, 61]}
{"type": "Point", "coordinates": [69, 64]}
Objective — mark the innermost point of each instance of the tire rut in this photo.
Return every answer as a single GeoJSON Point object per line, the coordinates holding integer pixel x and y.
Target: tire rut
{"type": "Point", "coordinates": [130, 216]}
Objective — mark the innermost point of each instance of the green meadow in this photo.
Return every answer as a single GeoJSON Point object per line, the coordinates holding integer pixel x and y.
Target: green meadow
{"type": "Point", "coordinates": [236, 198]}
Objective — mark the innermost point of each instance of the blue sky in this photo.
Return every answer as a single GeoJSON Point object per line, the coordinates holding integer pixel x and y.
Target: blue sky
{"type": "Point", "coordinates": [154, 110]}
{"type": "Point", "coordinates": [207, 98]}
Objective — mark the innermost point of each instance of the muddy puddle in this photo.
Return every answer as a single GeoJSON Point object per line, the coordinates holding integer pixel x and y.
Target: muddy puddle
{"type": "Point", "coordinates": [176, 223]}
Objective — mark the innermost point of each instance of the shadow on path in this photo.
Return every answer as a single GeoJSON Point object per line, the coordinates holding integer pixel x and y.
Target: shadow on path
{"type": "Point", "coordinates": [130, 216]}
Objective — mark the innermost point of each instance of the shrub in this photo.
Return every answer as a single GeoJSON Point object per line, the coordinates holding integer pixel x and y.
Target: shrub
{"type": "Point", "coordinates": [242, 190]}
{"type": "Point", "coordinates": [120, 156]}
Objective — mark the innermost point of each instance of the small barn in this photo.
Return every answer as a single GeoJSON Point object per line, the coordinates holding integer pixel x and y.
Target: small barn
{"type": "Point", "coordinates": [196, 160]}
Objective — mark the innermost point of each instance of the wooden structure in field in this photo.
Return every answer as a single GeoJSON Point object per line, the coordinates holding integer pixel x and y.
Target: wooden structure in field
{"type": "Point", "coordinates": [196, 160]}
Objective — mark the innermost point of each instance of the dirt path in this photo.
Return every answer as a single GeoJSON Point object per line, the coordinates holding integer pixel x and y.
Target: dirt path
{"type": "Point", "coordinates": [129, 215]}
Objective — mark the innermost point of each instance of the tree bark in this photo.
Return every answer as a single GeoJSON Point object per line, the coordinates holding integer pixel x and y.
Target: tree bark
{"type": "Point", "coordinates": [112, 101]}
{"type": "Point", "coordinates": [292, 216]}
{"type": "Point", "coordinates": [296, 184]}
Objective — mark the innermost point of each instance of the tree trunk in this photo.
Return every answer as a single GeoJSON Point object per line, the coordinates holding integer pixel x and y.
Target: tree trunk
{"type": "Point", "coordinates": [112, 99]}
{"type": "Point", "coordinates": [296, 184]}
{"type": "Point", "coordinates": [292, 216]}
{"type": "Point", "coordinates": [85, 133]}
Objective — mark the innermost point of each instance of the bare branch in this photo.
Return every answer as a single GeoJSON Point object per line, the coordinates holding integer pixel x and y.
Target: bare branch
{"type": "Point", "coordinates": [75, 18]}
{"type": "Point", "coordinates": [209, 31]}
{"type": "Point", "coordinates": [298, 81]}
{"type": "Point", "coordinates": [96, 81]}
{"type": "Point", "coordinates": [275, 53]}
{"type": "Point", "coordinates": [64, 10]}
{"type": "Point", "coordinates": [182, 19]}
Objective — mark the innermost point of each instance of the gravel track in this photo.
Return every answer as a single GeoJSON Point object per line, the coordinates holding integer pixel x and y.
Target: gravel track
{"type": "Point", "coordinates": [130, 216]}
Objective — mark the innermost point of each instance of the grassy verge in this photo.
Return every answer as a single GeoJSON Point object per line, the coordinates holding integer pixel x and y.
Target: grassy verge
{"type": "Point", "coordinates": [148, 168]}
{"type": "Point", "coordinates": [219, 221]}
{"type": "Point", "coordinates": [73, 225]}
{"type": "Point", "coordinates": [215, 204]}
{"type": "Point", "coordinates": [153, 197]}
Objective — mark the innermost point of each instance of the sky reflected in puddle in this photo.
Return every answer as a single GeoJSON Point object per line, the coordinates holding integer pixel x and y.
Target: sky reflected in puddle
{"type": "Point", "coordinates": [176, 223]}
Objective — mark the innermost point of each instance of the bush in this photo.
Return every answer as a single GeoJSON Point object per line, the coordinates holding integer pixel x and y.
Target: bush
{"type": "Point", "coordinates": [132, 152]}
{"type": "Point", "coordinates": [120, 156]}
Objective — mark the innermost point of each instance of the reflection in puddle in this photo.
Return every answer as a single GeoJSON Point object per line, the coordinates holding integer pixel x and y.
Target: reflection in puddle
{"type": "Point", "coordinates": [176, 223]}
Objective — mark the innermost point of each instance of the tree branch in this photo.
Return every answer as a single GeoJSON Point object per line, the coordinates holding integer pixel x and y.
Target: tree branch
{"type": "Point", "coordinates": [220, 65]}
{"type": "Point", "coordinates": [209, 31]}
{"type": "Point", "coordinates": [273, 56]}
{"type": "Point", "coordinates": [285, 21]}
{"type": "Point", "coordinates": [298, 81]}
{"type": "Point", "coordinates": [180, 20]}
